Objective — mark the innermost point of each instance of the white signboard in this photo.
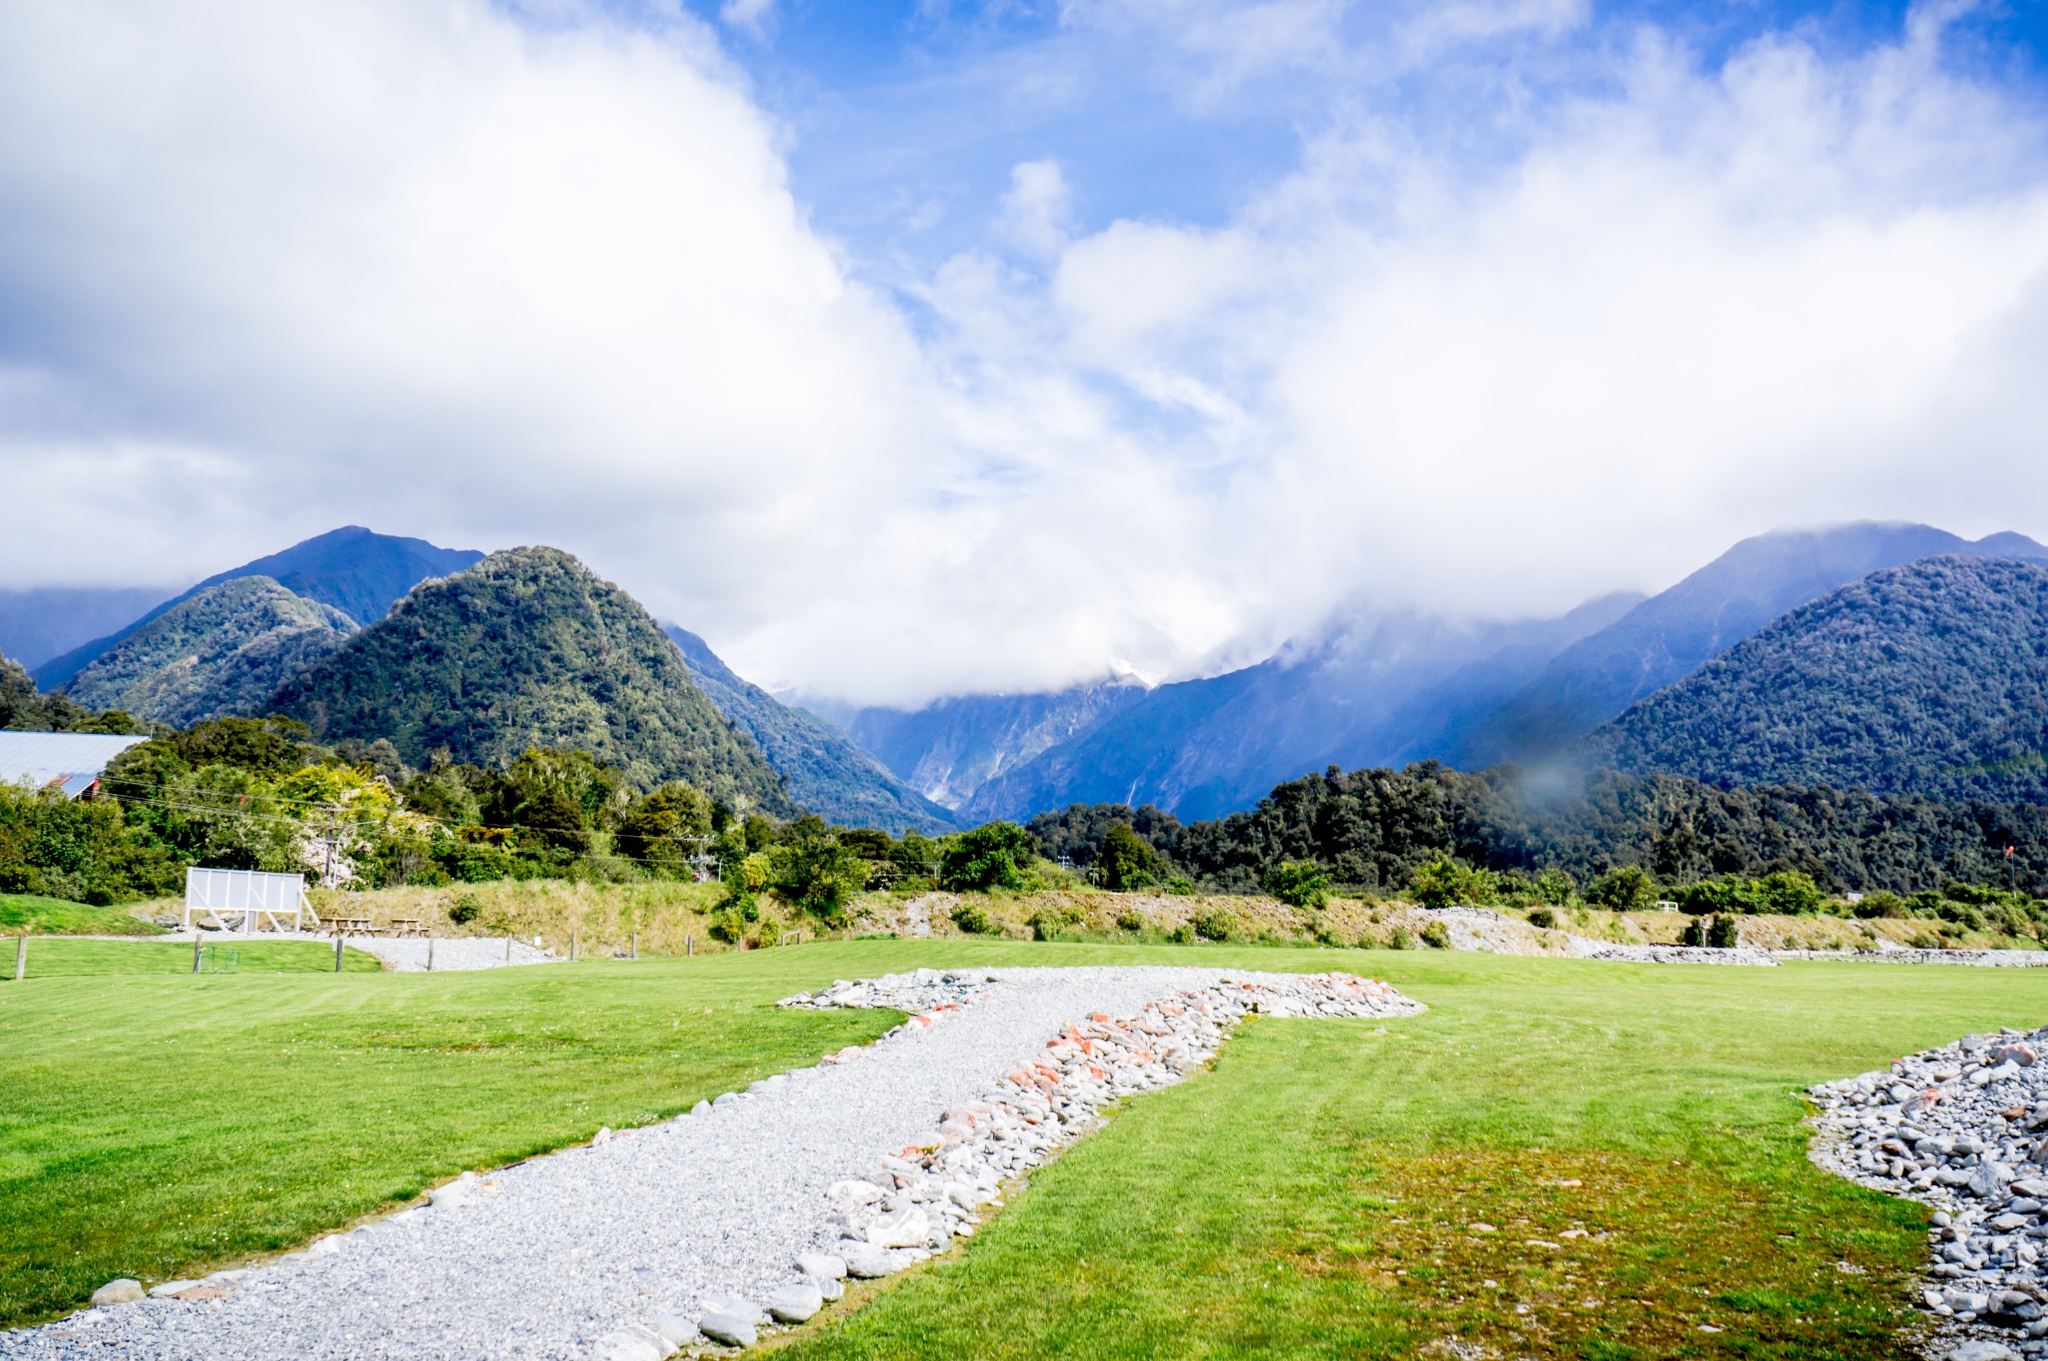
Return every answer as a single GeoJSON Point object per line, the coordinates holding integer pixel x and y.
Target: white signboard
{"type": "Point", "coordinates": [252, 896]}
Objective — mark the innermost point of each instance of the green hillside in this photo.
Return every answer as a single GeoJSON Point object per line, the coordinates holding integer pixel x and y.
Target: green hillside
{"type": "Point", "coordinates": [529, 649]}
{"type": "Point", "coordinates": [223, 651]}
{"type": "Point", "coordinates": [1929, 679]}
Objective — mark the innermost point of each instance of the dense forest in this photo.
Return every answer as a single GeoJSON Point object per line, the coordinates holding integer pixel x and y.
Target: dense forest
{"type": "Point", "coordinates": [1373, 829]}
{"type": "Point", "coordinates": [530, 649]}
{"type": "Point", "coordinates": [1928, 679]}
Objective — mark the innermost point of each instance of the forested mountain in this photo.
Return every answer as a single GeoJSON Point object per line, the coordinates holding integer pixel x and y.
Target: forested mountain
{"type": "Point", "coordinates": [1927, 679]}
{"type": "Point", "coordinates": [530, 649]}
{"type": "Point", "coordinates": [820, 765]}
{"type": "Point", "coordinates": [1374, 827]}
{"type": "Point", "coordinates": [350, 569]}
{"type": "Point", "coordinates": [1668, 635]}
{"type": "Point", "coordinates": [222, 651]}
{"type": "Point", "coordinates": [41, 622]}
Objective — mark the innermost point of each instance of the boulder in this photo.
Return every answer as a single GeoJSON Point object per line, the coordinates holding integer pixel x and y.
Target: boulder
{"type": "Point", "coordinates": [171, 1289]}
{"type": "Point", "coordinates": [634, 1344]}
{"type": "Point", "coordinates": [864, 1260]}
{"type": "Point", "coordinates": [828, 1289]}
{"type": "Point", "coordinates": [906, 1228]}
{"type": "Point", "coordinates": [795, 1303]}
{"type": "Point", "coordinates": [820, 1264]}
{"type": "Point", "coordinates": [1983, 1351]}
{"type": "Point", "coordinates": [730, 1329]}
{"type": "Point", "coordinates": [670, 1328]}
{"type": "Point", "coordinates": [119, 1291]}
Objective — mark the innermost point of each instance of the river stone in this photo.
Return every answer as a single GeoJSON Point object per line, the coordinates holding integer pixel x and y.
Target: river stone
{"type": "Point", "coordinates": [829, 1289]}
{"type": "Point", "coordinates": [730, 1329]}
{"type": "Point", "coordinates": [670, 1328]}
{"type": "Point", "coordinates": [795, 1303]}
{"type": "Point", "coordinates": [118, 1291]}
{"type": "Point", "coordinates": [865, 1260]}
{"type": "Point", "coordinates": [170, 1289]}
{"type": "Point", "coordinates": [905, 1229]}
{"type": "Point", "coordinates": [1978, 1350]}
{"type": "Point", "coordinates": [634, 1344]}
{"type": "Point", "coordinates": [820, 1264]}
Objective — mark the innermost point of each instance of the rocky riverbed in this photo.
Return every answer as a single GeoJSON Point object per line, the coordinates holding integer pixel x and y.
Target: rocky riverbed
{"type": "Point", "coordinates": [1960, 1128]}
{"type": "Point", "coordinates": [703, 1231]}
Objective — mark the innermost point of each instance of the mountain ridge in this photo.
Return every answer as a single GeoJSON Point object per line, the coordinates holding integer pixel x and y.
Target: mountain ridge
{"type": "Point", "coordinates": [1929, 679]}
{"type": "Point", "coordinates": [530, 648]}
{"type": "Point", "coordinates": [351, 569]}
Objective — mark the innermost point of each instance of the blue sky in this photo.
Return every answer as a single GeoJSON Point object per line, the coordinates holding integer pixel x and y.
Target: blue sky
{"type": "Point", "coordinates": [907, 118]}
{"type": "Point", "coordinates": [914, 350]}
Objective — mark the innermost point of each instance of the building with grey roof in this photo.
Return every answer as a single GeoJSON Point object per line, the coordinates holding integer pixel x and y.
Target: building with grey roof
{"type": "Point", "coordinates": [71, 761]}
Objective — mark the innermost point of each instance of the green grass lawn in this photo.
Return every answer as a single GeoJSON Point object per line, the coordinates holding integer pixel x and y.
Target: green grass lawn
{"type": "Point", "coordinates": [1310, 1197]}
{"type": "Point", "coordinates": [75, 958]}
{"type": "Point", "coordinates": [31, 914]}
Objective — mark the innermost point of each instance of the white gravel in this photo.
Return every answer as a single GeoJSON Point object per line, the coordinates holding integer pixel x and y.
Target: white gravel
{"type": "Point", "coordinates": [412, 954]}
{"type": "Point", "coordinates": [596, 1250]}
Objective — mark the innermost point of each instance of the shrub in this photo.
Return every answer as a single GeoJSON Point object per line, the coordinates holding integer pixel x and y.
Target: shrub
{"type": "Point", "coordinates": [1046, 924]}
{"type": "Point", "coordinates": [465, 909]}
{"type": "Point", "coordinates": [1446, 883]}
{"type": "Point", "coordinates": [1126, 859]}
{"type": "Point", "coordinates": [973, 919]}
{"type": "Point", "coordinates": [1788, 893]}
{"type": "Point", "coordinates": [727, 926]}
{"type": "Point", "coordinates": [1181, 888]}
{"type": "Point", "coordinates": [1543, 917]}
{"type": "Point", "coordinates": [1555, 887]}
{"type": "Point", "coordinates": [1400, 939]}
{"type": "Point", "coordinates": [1215, 924]}
{"type": "Point", "coordinates": [1184, 934]}
{"type": "Point", "coordinates": [993, 855]}
{"type": "Point", "coordinates": [1130, 919]}
{"type": "Point", "coordinates": [1628, 888]}
{"type": "Point", "coordinates": [1723, 933]}
{"type": "Point", "coordinates": [1880, 904]}
{"type": "Point", "coordinates": [1437, 936]}
{"type": "Point", "coordinates": [1298, 883]}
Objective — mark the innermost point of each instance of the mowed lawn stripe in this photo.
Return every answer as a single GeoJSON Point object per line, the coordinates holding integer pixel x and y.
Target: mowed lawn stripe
{"type": "Point", "coordinates": [1617, 1147]}
{"type": "Point", "coordinates": [158, 1126]}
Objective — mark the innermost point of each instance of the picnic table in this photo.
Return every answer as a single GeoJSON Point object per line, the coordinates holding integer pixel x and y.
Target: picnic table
{"type": "Point", "coordinates": [352, 926]}
{"type": "Point", "coordinates": [408, 926]}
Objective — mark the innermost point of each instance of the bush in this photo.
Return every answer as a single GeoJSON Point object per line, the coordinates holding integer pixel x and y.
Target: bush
{"type": "Point", "coordinates": [1437, 936]}
{"type": "Point", "coordinates": [1400, 939]}
{"type": "Point", "coordinates": [1788, 893]}
{"type": "Point", "coordinates": [1555, 887]}
{"type": "Point", "coordinates": [1046, 924]}
{"type": "Point", "coordinates": [994, 855]}
{"type": "Point", "coordinates": [1181, 888]}
{"type": "Point", "coordinates": [1298, 883]}
{"type": "Point", "coordinates": [973, 919]}
{"type": "Point", "coordinates": [465, 909]}
{"type": "Point", "coordinates": [1628, 888]}
{"type": "Point", "coordinates": [1215, 924]}
{"type": "Point", "coordinates": [1446, 883]}
{"type": "Point", "coordinates": [728, 927]}
{"type": "Point", "coordinates": [1130, 919]}
{"type": "Point", "coordinates": [1543, 917]}
{"type": "Point", "coordinates": [1722, 933]}
{"type": "Point", "coordinates": [1126, 859]}
{"type": "Point", "coordinates": [1184, 934]}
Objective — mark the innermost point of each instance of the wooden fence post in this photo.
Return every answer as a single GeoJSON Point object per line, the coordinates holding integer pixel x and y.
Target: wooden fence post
{"type": "Point", "coordinates": [636, 945]}
{"type": "Point", "coordinates": [21, 958]}
{"type": "Point", "coordinates": [339, 943]}
{"type": "Point", "coordinates": [198, 946]}
{"type": "Point", "coordinates": [572, 947]}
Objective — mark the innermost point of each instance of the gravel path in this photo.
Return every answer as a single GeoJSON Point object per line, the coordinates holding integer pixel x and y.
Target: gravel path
{"type": "Point", "coordinates": [598, 1251]}
{"type": "Point", "coordinates": [412, 954]}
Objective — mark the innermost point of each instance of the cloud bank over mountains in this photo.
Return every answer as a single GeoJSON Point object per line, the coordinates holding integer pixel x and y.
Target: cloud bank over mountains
{"type": "Point", "coordinates": [1538, 307]}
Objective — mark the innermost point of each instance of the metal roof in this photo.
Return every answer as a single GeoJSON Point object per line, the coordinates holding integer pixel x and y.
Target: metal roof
{"type": "Point", "coordinates": [71, 760]}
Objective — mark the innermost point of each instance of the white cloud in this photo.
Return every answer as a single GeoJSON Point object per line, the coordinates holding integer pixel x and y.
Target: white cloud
{"type": "Point", "coordinates": [266, 271]}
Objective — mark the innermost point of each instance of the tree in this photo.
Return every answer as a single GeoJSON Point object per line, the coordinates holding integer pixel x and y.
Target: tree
{"type": "Point", "coordinates": [1126, 860]}
{"type": "Point", "coordinates": [993, 855]}
{"type": "Point", "coordinates": [661, 830]}
{"type": "Point", "coordinates": [818, 874]}
{"type": "Point", "coordinates": [1446, 883]}
{"type": "Point", "coordinates": [1298, 883]}
{"type": "Point", "coordinates": [1628, 888]}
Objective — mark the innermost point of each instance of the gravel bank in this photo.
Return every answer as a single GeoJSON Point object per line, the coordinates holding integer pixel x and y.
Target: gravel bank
{"type": "Point", "coordinates": [626, 1248]}
{"type": "Point", "coordinates": [1960, 1128]}
{"type": "Point", "coordinates": [412, 954]}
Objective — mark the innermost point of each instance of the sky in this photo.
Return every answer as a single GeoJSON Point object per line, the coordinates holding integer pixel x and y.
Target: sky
{"type": "Point", "coordinates": [930, 348]}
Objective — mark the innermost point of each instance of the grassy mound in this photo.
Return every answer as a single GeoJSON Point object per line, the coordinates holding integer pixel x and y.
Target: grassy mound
{"type": "Point", "coordinates": [32, 915]}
